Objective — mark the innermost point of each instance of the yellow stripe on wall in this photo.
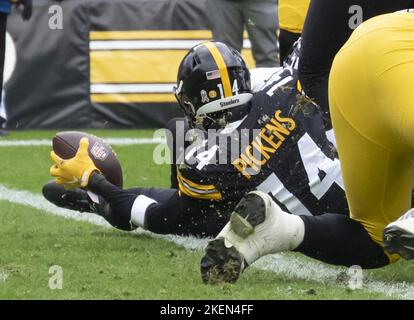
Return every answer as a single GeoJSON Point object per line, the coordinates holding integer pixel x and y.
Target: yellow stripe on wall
{"type": "Point", "coordinates": [151, 35]}
{"type": "Point", "coordinates": [133, 98]}
{"type": "Point", "coordinates": [135, 66]}
{"type": "Point", "coordinates": [143, 66]}
{"type": "Point", "coordinates": [140, 66]}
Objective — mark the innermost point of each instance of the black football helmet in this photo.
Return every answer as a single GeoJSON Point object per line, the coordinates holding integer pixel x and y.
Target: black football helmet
{"type": "Point", "coordinates": [213, 85]}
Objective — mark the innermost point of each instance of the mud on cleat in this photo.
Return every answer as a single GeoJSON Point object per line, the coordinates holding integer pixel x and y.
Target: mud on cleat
{"type": "Point", "coordinates": [398, 236]}
{"type": "Point", "coordinates": [74, 199]}
{"type": "Point", "coordinates": [257, 227]}
{"type": "Point", "coordinates": [221, 264]}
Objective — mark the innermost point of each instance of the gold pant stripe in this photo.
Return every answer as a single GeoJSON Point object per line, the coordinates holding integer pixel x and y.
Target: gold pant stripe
{"type": "Point", "coordinates": [194, 184]}
{"type": "Point", "coordinates": [189, 188]}
{"type": "Point", "coordinates": [212, 196]}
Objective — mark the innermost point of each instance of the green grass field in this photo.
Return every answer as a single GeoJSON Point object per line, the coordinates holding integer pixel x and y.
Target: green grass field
{"type": "Point", "coordinates": [103, 263]}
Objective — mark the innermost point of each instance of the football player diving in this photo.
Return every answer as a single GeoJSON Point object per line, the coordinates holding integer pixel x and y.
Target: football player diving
{"type": "Point", "coordinates": [373, 118]}
{"type": "Point", "coordinates": [285, 153]}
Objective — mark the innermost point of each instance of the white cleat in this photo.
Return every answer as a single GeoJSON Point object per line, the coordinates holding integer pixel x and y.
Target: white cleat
{"type": "Point", "coordinates": [257, 227]}
{"type": "Point", "coordinates": [399, 236]}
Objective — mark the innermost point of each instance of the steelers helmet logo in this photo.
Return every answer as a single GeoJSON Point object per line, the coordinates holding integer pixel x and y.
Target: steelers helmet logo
{"type": "Point", "coordinates": [212, 94]}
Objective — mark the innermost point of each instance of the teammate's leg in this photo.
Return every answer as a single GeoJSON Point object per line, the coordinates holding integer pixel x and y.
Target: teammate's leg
{"type": "Point", "coordinates": [261, 23]}
{"type": "Point", "coordinates": [286, 41]}
{"type": "Point", "coordinates": [328, 26]}
{"type": "Point", "coordinates": [372, 107]}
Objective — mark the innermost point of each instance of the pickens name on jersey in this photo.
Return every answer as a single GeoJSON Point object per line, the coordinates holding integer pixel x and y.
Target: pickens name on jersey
{"type": "Point", "coordinates": [269, 140]}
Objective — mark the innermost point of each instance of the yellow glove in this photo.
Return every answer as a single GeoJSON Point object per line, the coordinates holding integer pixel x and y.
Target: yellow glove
{"type": "Point", "coordinates": [74, 172]}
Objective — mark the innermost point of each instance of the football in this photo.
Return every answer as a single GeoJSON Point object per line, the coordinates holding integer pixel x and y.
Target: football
{"type": "Point", "coordinates": [66, 143]}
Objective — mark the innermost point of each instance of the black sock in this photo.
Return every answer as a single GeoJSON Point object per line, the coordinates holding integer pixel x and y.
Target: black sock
{"type": "Point", "coordinates": [117, 210]}
{"type": "Point", "coordinates": [286, 41]}
{"type": "Point", "coordinates": [339, 240]}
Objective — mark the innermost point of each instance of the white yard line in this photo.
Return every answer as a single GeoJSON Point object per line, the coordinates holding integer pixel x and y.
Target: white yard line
{"type": "Point", "coordinates": [284, 264]}
{"type": "Point", "coordinates": [111, 141]}
{"type": "Point", "coordinates": [3, 276]}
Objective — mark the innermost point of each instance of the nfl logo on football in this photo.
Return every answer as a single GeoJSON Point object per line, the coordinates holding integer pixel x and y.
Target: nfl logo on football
{"type": "Point", "coordinates": [99, 152]}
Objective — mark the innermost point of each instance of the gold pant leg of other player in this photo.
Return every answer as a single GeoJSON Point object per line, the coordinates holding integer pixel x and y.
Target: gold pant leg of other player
{"type": "Point", "coordinates": [371, 94]}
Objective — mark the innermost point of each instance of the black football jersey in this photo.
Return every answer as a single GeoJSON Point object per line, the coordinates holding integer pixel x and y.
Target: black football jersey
{"type": "Point", "coordinates": [279, 148]}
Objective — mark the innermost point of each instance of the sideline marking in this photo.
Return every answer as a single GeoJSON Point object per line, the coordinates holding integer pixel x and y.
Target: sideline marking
{"type": "Point", "coordinates": [111, 141]}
